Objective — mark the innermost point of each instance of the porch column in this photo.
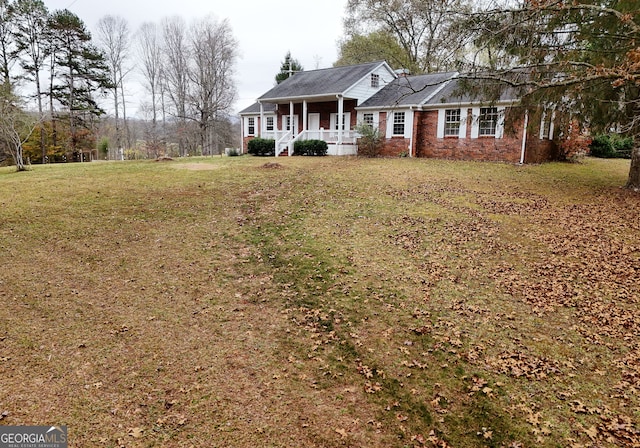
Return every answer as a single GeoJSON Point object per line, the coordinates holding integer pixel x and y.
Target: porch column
{"type": "Point", "coordinates": [291, 123]}
{"type": "Point", "coordinates": [340, 118]}
{"type": "Point", "coordinates": [261, 127]}
{"type": "Point", "coordinates": [304, 116]}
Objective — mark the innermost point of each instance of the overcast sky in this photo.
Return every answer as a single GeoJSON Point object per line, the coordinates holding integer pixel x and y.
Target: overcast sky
{"type": "Point", "coordinates": [265, 31]}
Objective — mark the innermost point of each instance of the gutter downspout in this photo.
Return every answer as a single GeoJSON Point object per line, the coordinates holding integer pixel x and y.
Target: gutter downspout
{"type": "Point", "coordinates": [524, 136]}
{"type": "Point", "coordinates": [413, 126]}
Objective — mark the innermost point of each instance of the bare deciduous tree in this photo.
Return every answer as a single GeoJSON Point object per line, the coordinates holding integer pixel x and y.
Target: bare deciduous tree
{"type": "Point", "coordinates": [113, 37]}
{"type": "Point", "coordinates": [150, 57]}
{"type": "Point", "coordinates": [16, 126]}
{"type": "Point", "coordinates": [176, 73]}
{"type": "Point", "coordinates": [212, 87]}
{"type": "Point", "coordinates": [424, 29]}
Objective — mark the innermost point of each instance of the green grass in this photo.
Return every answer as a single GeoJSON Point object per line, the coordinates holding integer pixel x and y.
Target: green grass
{"type": "Point", "coordinates": [325, 302]}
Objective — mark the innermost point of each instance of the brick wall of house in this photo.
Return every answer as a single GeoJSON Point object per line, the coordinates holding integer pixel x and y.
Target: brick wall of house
{"type": "Point", "coordinates": [245, 143]}
{"type": "Point", "coordinates": [395, 147]}
{"type": "Point", "coordinates": [539, 151]}
{"type": "Point", "coordinates": [505, 149]}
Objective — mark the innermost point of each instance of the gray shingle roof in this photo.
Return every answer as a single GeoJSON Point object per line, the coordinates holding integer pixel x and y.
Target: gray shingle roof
{"type": "Point", "coordinates": [439, 88]}
{"type": "Point", "coordinates": [467, 91]}
{"type": "Point", "coordinates": [409, 90]}
{"type": "Point", "coordinates": [255, 108]}
{"type": "Point", "coordinates": [328, 81]}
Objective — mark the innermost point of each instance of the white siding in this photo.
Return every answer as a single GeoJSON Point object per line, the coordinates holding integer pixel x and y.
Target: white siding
{"type": "Point", "coordinates": [363, 90]}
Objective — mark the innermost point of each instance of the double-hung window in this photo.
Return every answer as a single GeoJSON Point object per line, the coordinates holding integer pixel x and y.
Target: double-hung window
{"type": "Point", "coordinates": [452, 123]}
{"type": "Point", "coordinates": [269, 126]}
{"type": "Point", "coordinates": [368, 119]}
{"type": "Point", "coordinates": [488, 121]}
{"type": "Point", "coordinates": [398, 123]}
{"type": "Point", "coordinates": [251, 126]}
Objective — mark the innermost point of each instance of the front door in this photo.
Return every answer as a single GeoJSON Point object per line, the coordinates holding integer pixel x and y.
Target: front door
{"type": "Point", "coordinates": [314, 125]}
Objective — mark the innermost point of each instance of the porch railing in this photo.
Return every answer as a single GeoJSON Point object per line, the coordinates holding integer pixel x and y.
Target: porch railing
{"type": "Point", "coordinates": [283, 142]}
{"type": "Point", "coordinates": [286, 139]}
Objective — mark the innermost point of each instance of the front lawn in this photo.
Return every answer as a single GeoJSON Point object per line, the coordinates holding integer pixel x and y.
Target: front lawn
{"type": "Point", "coordinates": [231, 302]}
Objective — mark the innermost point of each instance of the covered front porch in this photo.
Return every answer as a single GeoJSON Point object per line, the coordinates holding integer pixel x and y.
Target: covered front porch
{"type": "Point", "coordinates": [327, 119]}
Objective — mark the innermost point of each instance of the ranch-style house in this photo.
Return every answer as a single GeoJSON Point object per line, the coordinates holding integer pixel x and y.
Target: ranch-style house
{"type": "Point", "coordinates": [419, 116]}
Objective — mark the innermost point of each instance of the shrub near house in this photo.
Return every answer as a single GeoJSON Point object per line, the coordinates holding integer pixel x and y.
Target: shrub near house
{"type": "Point", "coordinates": [611, 146]}
{"type": "Point", "coordinates": [310, 148]}
{"type": "Point", "coordinates": [262, 147]}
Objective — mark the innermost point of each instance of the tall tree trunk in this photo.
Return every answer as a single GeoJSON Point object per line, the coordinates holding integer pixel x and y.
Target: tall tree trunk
{"type": "Point", "coordinates": [54, 130]}
{"type": "Point", "coordinates": [116, 106]}
{"type": "Point", "coordinates": [43, 148]}
{"type": "Point", "coordinates": [124, 118]}
{"type": "Point", "coordinates": [633, 182]}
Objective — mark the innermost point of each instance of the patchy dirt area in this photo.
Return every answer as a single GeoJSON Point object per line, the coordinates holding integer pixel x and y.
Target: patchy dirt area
{"type": "Point", "coordinates": [272, 166]}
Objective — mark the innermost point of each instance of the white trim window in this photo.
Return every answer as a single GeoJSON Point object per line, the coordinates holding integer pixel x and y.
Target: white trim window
{"type": "Point", "coordinates": [398, 123]}
{"type": "Point", "coordinates": [452, 122]}
{"type": "Point", "coordinates": [367, 118]}
{"type": "Point", "coordinates": [375, 80]}
{"type": "Point", "coordinates": [488, 121]}
{"type": "Point", "coordinates": [251, 125]}
{"type": "Point", "coordinates": [269, 124]}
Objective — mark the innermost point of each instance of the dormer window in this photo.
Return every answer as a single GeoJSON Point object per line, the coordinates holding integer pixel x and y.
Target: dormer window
{"type": "Point", "coordinates": [375, 80]}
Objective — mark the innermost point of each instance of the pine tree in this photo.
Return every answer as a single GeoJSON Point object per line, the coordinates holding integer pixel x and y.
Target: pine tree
{"type": "Point", "coordinates": [580, 57]}
{"type": "Point", "coordinates": [31, 18]}
{"type": "Point", "coordinates": [81, 70]}
{"type": "Point", "coordinates": [289, 67]}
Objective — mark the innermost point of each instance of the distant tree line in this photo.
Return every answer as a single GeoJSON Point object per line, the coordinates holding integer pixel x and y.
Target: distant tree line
{"type": "Point", "coordinates": [53, 74]}
{"type": "Point", "coordinates": [188, 77]}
